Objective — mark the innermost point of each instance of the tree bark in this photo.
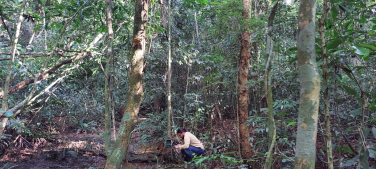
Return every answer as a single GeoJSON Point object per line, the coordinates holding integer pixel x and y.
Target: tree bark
{"type": "Point", "coordinates": [245, 54]}
{"type": "Point", "coordinates": [107, 113]}
{"type": "Point", "coordinates": [328, 134]}
{"type": "Point", "coordinates": [268, 88]}
{"type": "Point", "coordinates": [309, 87]}
{"type": "Point", "coordinates": [135, 90]}
{"type": "Point", "coordinates": [169, 73]}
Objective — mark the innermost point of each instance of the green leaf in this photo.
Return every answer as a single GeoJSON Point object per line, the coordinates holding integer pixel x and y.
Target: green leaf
{"type": "Point", "coordinates": [368, 46]}
{"type": "Point", "coordinates": [344, 9]}
{"type": "Point", "coordinates": [199, 160]}
{"type": "Point", "coordinates": [372, 106]}
{"type": "Point", "coordinates": [356, 112]}
{"type": "Point", "coordinates": [334, 13]}
{"type": "Point", "coordinates": [333, 43]}
{"type": "Point", "coordinates": [334, 1]}
{"type": "Point", "coordinates": [352, 161]}
{"type": "Point", "coordinates": [292, 123]}
{"type": "Point", "coordinates": [362, 20]}
{"type": "Point", "coordinates": [360, 50]}
{"type": "Point", "coordinates": [366, 132]}
{"type": "Point", "coordinates": [374, 27]}
{"type": "Point", "coordinates": [364, 159]}
{"type": "Point", "coordinates": [349, 90]}
{"type": "Point", "coordinates": [8, 113]}
{"type": "Point", "coordinates": [374, 132]}
{"type": "Point", "coordinates": [73, 153]}
{"type": "Point", "coordinates": [292, 49]}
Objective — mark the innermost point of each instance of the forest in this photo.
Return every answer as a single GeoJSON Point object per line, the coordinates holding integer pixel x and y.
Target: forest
{"type": "Point", "coordinates": [261, 83]}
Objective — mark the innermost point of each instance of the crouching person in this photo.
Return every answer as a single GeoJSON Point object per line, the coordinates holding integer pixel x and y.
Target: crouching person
{"type": "Point", "coordinates": [191, 145]}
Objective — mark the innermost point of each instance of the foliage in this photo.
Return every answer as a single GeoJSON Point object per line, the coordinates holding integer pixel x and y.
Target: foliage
{"type": "Point", "coordinates": [205, 49]}
{"type": "Point", "coordinates": [227, 161]}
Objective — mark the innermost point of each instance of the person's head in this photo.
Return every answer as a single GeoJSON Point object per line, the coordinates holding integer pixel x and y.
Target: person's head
{"type": "Point", "coordinates": [181, 132]}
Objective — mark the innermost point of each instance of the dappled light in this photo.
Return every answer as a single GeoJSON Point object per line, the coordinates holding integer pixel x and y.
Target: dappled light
{"type": "Point", "coordinates": [170, 84]}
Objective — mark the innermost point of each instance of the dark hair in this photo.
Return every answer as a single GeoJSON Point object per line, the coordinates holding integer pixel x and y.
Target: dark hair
{"type": "Point", "coordinates": [181, 130]}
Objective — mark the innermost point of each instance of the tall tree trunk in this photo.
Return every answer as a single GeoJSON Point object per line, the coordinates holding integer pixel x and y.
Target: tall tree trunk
{"type": "Point", "coordinates": [328, 134]}
{"type": "Point", "coordinates": [4, 105]}
{"type": "Point", "coordinates": [169, 108]}
{"type": "Point", "coordinates": [107, 95]}
{"type": "Point", "coordinates": [245, 54]}
{"type": "Point", "coordinates": [309, 87]}
{"type": "Point", "coordinates": [135, 92]}
{"type": "Point", "coordinates": [268, 88]}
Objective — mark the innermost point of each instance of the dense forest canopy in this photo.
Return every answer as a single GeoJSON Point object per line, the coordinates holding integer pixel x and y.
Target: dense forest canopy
{"type": "Point", "coordinates": [262, 83]}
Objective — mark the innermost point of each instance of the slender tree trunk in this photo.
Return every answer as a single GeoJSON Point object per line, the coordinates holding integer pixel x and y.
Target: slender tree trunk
{"type": "Point", "coordinates": [328, 134]}
{"type": "Point", "coordinates": [107, 95]}
{"type": "Point", "coordinates": [338, 119]}
{"type": "Point", "coordinates": [245, 54]}
{"type": "Point", "coordinates": [4, 106]}
{"type": "Point", "coordinates": [309, 87]}
{"type": "Point", "coordinates": [268, 88]}
{"type": "Point", "coordinates": [135, 92]}
{"type": "Point", "coordinates": [169, 107]}
{"type": "Point", "coordinates": [185, 94]}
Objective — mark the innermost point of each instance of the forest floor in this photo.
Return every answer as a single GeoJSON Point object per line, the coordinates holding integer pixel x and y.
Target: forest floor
{"type": "Point", "coordinates": [69, 149]}
{"type": "Point", "coordinates": [65, 150]}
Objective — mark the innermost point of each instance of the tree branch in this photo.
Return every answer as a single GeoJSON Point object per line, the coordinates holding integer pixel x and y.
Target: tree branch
{"type": "Point", "coordinates": [43, 76]}
{"type": "Point", "coordinates": [53, 69]}
{"type": "Point", "coordinates": [39, 54]}
{"type": "Point", "coordinates": [5, 25]}
{"type": "Point", "coordinates": [27, 55]}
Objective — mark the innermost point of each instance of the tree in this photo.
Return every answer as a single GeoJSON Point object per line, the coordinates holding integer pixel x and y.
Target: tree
{"type": "Point", "coordinates": [107, 91]}
{"type": "Point", "coordinates": [169, 73]}
{"type": "Point", "coordinates": [268, 87]}
{"type": "Point", "coordinates": [325, 74]}
{"type": "Point", "coordinates": [4, 106]}
{"type": "Point", "coordinates": [245, 54]}
{"type": "Point", "coordinates": [309, 87]}
{"type": "Point", "coordinates": [135, 90]}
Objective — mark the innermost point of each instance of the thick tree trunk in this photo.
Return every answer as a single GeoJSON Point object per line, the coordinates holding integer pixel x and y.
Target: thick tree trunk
{"type": "Point", "coordinates": [245, 54]}
{"type": "Point", "coordinates": [135, 92]}
{"type": "Point", "coordinates": [4, 106]}
{"type": "Point", "coordinates": [309, 87]}
{"type": "Point", "coordinates": [328, 134]}
{"type": "Point", "coordinates": [268, 88]}
{"type": "Point", "coordinates": [107, 112]}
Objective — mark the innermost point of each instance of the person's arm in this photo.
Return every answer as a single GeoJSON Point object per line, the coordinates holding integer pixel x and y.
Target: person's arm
{"type": "Point", "coordinates": [187, 141]}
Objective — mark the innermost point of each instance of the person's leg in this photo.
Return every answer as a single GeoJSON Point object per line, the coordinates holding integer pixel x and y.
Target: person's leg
{"type": "Point", "coordinates": [187, 155]}
{"type": "Point", "coordinates": [197, 151]}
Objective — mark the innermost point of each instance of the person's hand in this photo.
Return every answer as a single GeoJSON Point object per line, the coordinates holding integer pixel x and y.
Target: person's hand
{"type": "Point", "coordinates": [176, 146]}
